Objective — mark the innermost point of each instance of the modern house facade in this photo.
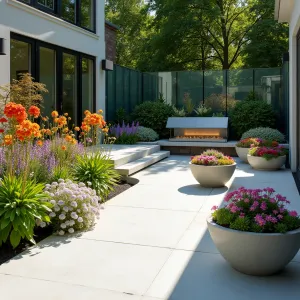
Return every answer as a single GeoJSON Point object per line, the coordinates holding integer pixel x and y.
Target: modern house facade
{"type": "Point", "coordinates": [61, 43]}
{"type": "Point", "coordinates": [289, 11]}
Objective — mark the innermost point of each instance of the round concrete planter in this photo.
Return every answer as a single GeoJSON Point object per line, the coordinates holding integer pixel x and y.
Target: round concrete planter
{"type": "Point", "coordinates": [212, 176]}
{"type": "Point", "coordinates": [258, 254]}
{"type": "Point", "coordinates": [242, 153]}
{"type": "Point", "coordinates": [261, 163]}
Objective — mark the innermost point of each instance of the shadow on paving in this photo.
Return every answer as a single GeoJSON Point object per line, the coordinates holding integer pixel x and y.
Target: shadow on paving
{"type": "Point", "coordinates": [206, 275]}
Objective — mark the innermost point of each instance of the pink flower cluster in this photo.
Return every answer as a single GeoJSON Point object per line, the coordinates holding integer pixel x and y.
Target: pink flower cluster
{"type": "Point", "coordinates": [205, 160]}
{"type": "Point", "coordinates": [261, 206]}
{"type": "Point", "coordinates": [268, 152]}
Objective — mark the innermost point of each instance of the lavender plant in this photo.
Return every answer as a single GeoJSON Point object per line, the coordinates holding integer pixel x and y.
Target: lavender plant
{"type": "Point", "coordinates": [125, 134]}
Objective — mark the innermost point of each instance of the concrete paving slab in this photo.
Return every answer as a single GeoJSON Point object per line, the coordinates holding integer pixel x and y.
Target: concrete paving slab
{"type": "Point", "coordinates": [113, 266]}
{"type": "Point", "coordinates": [16, 288]}
{"type": "Point", "coordinates": [197, 237]}
{"type": "Point", "coordinates": [185, 198]}
{"type": "Point", "coordinates": [193, 275]}
{"type": "Point", "coordinates": [151, 227]}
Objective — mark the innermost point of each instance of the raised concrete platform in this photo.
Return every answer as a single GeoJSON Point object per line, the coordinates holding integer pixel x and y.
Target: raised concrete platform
{"type": "Point", "coordinates": [129, 159]}
{"type": "Point", "coordinates": [142, 163]}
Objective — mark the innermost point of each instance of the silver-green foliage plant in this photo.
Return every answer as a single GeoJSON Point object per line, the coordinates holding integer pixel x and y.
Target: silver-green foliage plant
{"type": "Point", "coordinates": [97, 171]}
{"type": "Point", "coordinates": [147, 134]}
{"type": "Point", "coordinates": [22, 205]}
{"type": "Point", "coordinates": [179, 112]}
{"type": "Point", "coordinates": [203, 111]}
{"type": "Point", "coordinates": [264, 133]}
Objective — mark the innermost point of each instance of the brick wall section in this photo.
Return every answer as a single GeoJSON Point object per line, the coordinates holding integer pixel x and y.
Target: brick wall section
{"type": "Point", "coordinates": [111, 42]}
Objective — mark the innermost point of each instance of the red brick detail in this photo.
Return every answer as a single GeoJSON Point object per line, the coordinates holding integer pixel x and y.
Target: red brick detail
{"type": "Point", "coordinates": [111, 42]}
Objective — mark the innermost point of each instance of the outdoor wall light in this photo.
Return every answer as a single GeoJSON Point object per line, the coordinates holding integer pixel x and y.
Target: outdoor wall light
{"type": "Point", "coordinates": [107, 65]}
{"type": "Point", "coordinates": [2, 47]}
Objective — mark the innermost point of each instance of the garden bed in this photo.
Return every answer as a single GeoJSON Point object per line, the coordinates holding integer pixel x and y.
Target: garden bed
{"type": "Point", "coordinates": [7, 252]}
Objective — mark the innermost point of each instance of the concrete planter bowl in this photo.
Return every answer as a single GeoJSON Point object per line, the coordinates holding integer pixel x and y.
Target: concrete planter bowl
{"type": "Point", "coordinates": [212, 176]}
{"type": "Point", "coordinates": [260, 163]}
{"type": "Point", "coordinates": [258, 254]}
{"type": "Point", "coordinates": [242, 153]}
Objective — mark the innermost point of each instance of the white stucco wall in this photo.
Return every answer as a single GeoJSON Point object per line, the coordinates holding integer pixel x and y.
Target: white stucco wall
{"type": "Point", "coordinates": [294, 28]}
{"type": "Point", "coordinates": [25, 20]}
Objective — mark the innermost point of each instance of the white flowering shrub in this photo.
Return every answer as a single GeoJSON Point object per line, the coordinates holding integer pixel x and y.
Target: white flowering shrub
{"type": "Point", "coordinates": [75, 206]}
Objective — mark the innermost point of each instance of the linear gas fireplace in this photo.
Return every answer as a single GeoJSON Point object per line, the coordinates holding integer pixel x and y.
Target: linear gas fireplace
{"type": "Point", "coordinates": [198, 129]}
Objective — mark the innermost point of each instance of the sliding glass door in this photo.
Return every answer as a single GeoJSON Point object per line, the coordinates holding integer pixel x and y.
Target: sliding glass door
{"type": "Point", "coordinates": [69, 86]}
{"type": "Point", "coordinates": [47, 76]}
{"type": "Point", "coordinates": [69, 76]}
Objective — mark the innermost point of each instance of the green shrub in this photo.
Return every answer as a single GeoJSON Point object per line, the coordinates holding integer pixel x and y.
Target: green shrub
{"type": "Point", "coordinates": [179, 112]}
{"type": "Point", "coordinates": [217, 102]}
{"type": "Point", "coordinates": [96, 170]}
{"type": "Point", "coordinates": [203, 111]}
{"type": "Point", "coordinates": [251, 114]}
{"type": "Point", "coordinates": [264, 133]}
{"type": "Point", "coordinates": [127, 139]}
{"type": "Point", "coordinates": [20, 208]}
{"type": "Point", "coordinates": [147, 134]}
{"type": "Point", "coordinates": [154, 115]}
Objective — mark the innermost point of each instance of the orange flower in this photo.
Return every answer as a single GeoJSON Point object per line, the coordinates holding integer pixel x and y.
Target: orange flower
{"type": "Point", "coordinates": [3, 120]}
{"type": "Point", "coordinates": [8, 140]}
{"type": "Point", "coordinates": [45, 119]}
{"type": "Point", "coordinates": [74, 142]}
{"type": "Point", "coordinates": [39, 143]}
{"type": "Point", "coordinates": [68, 138]}
{"type": "Point", "coordinates": [87, 112]}
{"type": "Point", "coordinates": [15, 111]}
{"type": "Point", "coordinates": [54, 114]}
{"type": "Point", "coordinates": [27, 130]}
{"type": "Point", "coordinates": [55, 120]}
{"type": "Point", "coordinates": [66, 114]}
{"type": "Point", "coordinates": [48, 132]}
{"type": "Point", "coordinates": [105, 130]}
{"type": "Point", "coordinates": [64, 148]}
{"type": "Point", "coordinates": [85, 127]}
{"type": "Point", "coordinates": [34, 111]}
{"type": "Point", "coordinates": [93, 119]}
{"type": "Point", "coordinates": [1, 131]}
{"type": "Point", "coordinates": [65, 130]}
{"type": "Point", "coordinates": [77, 128]}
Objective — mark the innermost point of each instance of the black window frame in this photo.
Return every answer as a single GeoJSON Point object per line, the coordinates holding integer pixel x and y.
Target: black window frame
{"type": "Point", "coordinates": [35, 67]}
{"type": "Point", "coordinates": [57, 12]}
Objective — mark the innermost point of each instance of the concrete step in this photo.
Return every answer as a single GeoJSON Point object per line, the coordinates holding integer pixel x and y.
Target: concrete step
{"type": "Point", "coordinates": [142, 163]}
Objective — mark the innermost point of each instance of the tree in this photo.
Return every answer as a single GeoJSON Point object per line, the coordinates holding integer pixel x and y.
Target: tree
{"type": "Point", "coordinates": [133, 19]}
{"type": "Point", "coordinates": [203, 33]}
{"type": "Point", "coordinates": [268, 39]}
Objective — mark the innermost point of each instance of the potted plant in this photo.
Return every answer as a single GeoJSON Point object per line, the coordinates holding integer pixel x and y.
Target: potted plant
{"type": "Point", "coordinates": [255, 232]}
{"type": "Point", "coordinates": [267, 158]}
{"type": "Point", "coordinates": [243, 146]}
{"type": "Point", "coordinates": [212, 168]}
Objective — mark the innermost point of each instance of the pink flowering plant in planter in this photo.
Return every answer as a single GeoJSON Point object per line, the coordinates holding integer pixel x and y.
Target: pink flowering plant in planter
{"type": "Point", "coordinates": [256, 142]}
{"type": "Point", "coordinates": [212, 158]}
{"type": "Point", "coordinates": [268, 152]}
{"type": "Point", "coordinates": [256, 210]}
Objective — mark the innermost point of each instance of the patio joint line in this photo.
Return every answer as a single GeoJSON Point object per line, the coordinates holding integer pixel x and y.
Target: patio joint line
{"type": "Point", "coordinates": [68, 283]}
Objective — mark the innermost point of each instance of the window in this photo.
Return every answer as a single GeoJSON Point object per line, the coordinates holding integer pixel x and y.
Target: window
{"type": "Point", "coordinates": [87, 12]}
{"type": "Point", "coordinates": [87, 88]}
{"type": "Point", "coordinates": [69, 76]}
{"type": "Point", "coordinates": [47, 75]}
{"type": "Point", "coordinates": [20, 58]}
{"type": "Point", "coordinates": [68, 10]}
{"type": "Point", "coordinates": [49, 4]}
{"type": "Point", "coordinates": [79, 12]}
{"type": "Point", "coordinates": [69, 86]}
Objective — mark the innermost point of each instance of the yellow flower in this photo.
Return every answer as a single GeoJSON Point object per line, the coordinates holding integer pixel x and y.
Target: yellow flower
{"type": "Point", "coordinates": [87, 112]}
{"type": "Point", "coordinates": [66, 114]}
{"type": "Point", "coordinates": [54, 114]}
{"type": "Point", "coordinates": [77, 128]}
{"type": "Point", "coordinates": [100, 111]}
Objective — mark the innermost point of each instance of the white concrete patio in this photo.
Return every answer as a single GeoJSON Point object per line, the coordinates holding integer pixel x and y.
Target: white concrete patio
{"type": "Point", "coordinates": [151, 243]}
